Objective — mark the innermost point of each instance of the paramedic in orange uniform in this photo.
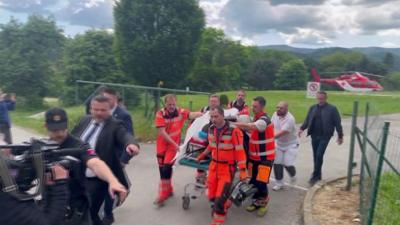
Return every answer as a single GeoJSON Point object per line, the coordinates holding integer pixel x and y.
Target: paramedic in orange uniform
{"type": "Point", "coordinates": [261, 154]}
{"type": "Point", "coordinates": [169, 122]}
{"type": "Point", "coordinates": [226, 146]}
{"type": "Point", "coordinates": [240, 103]}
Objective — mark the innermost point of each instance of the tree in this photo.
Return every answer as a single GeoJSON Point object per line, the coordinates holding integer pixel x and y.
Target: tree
{"type": "Point", "coordinates": [353, 61]}
{"type": "Point", "coordinates": [292, 75]}
{"type": "Point", "coordinates": [90, 57]}
{"type": "Point", "coordinates": [388, 60]}
{"type": "Point", "coordinates": [264, 66]}
{"type": "Point", "coordinates": [156, 40]}
{"type": "Point", "coordinates": [392, 81]}
{"type": "Point", "coordinates": [28, 56]}
{"type": "Point", "coordinates": [220, 63]}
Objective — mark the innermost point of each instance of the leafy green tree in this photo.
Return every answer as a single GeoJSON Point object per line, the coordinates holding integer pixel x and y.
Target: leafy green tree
{"type": "Point", "coordinates": [388, 60]}
{"type": "Point", "coordinates": [264, 66]}
{"type": "Point", "coordinates": [90, 57]}
{"type": "Point", "coordinates": [392, 81]}
{"type": "Point", "coordinates": [292, 75]}
{"type": "Point", "coordinates": [340, 61]}
{"type": "Point", "coordinates": [220, 63]}
{"type": "Point", "coordinates": [28, 56]}
{"type": "Point", "coordinates": [352, 61]}
{"type": "Point", "coordinates": [156, 40]}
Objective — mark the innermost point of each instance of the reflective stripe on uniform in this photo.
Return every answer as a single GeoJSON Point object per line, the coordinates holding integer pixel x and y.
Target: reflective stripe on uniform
{"type": "Point", "coordinates": [175, 133]}
{"type": "Point", "coordinates": [239, 147]}
{"type": "Point", "coordinates": [225, 146]}
{"type": "Point", "coordinates": [226, 137]}
{"type": "Point", "coordinates": [269, 152]}
{"type": "Point", "coordinates": [266, 141]}
{"type": "Point", "coordinates": [212, 144]}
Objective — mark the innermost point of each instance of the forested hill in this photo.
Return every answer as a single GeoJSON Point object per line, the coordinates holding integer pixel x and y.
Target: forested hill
{"type": "Point", "coordinates": [376, 53]}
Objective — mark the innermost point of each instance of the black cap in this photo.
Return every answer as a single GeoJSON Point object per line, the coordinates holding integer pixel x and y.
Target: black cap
{"type": "Point", "coordinates": [56, 119]}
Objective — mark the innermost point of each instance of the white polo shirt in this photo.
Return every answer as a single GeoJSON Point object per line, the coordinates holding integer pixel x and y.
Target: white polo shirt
{"type": "Point", "coordinates": [287, 123]}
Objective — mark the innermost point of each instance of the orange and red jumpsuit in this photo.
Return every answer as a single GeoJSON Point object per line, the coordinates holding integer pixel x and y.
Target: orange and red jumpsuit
{"type": "Point", "coordinates": [173, 123]}
{"type": "Point", "coordinates": [261, 159]}
{"type": "Point", "coordinates": [226, 146]}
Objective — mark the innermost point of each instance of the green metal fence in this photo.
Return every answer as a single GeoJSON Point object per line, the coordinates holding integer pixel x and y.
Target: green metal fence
{"type": "Point", "coordinates": [379, 146]}
{"type": "Point", "coordinates": [146, 97]}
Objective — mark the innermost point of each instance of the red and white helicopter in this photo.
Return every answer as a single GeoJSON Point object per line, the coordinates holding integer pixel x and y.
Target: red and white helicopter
{"type": "Point", "coordinates": [350, 81]}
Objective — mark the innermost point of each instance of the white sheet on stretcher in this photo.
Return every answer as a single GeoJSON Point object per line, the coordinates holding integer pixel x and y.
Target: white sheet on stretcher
{"type": "Point", "coordinates": [196, 127]}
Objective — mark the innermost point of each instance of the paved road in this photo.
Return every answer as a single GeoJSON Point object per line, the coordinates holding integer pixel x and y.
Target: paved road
{"type": "Point", "coordinates": [284, 206]}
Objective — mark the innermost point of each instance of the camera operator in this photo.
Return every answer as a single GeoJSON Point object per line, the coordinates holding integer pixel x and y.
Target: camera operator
{"type": "Point", "coordinates": [18, 212]}
{"type": "Point", "coordinates": [78, 204]}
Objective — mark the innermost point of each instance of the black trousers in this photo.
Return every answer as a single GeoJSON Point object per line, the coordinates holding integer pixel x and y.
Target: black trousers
{"type": "Point", "coordinates": [97, 191]}
{"type": "Point", "coordinates": [319, 145]}
{"type": "Point", "coordinates": [262, 186]}
{"type": "Point", "coordinates": [108, 206]}
{"type": "Point", "coordinates": [78, 213]}
{"type": "Point", "coordinates": [5, 130]}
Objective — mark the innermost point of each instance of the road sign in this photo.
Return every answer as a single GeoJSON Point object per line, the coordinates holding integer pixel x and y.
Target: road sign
{"type": "Point", "coordinates": [312, 89]}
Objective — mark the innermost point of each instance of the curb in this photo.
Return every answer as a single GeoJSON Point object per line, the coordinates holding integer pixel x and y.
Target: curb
{"type": "Point", "coordinates": [307, 203]}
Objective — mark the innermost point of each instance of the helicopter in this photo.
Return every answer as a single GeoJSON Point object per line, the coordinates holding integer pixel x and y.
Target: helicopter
{"type": "Point", "coordinates": [352, 81]}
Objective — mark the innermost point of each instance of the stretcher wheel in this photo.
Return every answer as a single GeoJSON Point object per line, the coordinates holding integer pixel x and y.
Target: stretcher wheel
{"type": "Point", "coordinates": [185, 202]}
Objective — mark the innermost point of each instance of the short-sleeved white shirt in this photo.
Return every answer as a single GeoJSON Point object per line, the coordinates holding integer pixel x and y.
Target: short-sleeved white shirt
{"type": "Point", "coordinates": [287, 123]}
{"type": "Point", "coordinates": [261, 125]}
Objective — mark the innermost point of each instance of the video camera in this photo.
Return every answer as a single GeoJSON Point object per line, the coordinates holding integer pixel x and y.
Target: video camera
{"type": "Point", "coordinates": [23, 166]}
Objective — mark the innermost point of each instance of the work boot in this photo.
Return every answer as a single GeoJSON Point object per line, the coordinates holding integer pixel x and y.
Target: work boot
{"type": "Point", "coordinates": [263, 207]}
{"type": "Point", "coordinates": [218, 219]}
{"type": "Point", "coordinates": [251, 208]}
{"type": "Point", "coordinates": [164, 192]}
{"type": "Point", "coordinates": [262, 210]}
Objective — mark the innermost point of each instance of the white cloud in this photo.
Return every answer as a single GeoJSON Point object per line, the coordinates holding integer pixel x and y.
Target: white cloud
{"type": "Point", "coordinates": [390, 32]}
{"type": "Point", "coordinates": [318, 22]}
{"type": "Point", "coordinates": [306, 36]}
{"type": "Point", "coordinates": [212, 10]}
{"type": "Point", "coordinates": [390, 45]}
{"type": "Point", "coordinates": [93, 3]}
{"type": "Point", "coordinates": [301, 22]}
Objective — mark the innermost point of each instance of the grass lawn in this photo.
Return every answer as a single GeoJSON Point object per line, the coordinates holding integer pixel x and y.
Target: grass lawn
{"type": "Point", "coordinates": [383, 102]}
{"type": "Point", "coordinates": [387, 211]}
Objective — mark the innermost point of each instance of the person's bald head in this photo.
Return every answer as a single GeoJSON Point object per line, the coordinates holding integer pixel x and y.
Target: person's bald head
{"type": "Point", "coordinates": [282, 108]}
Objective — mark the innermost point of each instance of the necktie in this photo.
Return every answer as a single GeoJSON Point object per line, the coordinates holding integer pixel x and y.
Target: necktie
{"type": "Point", "coordinates": [91, 132]}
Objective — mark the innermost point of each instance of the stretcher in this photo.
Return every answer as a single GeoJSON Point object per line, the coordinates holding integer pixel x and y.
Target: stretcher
{"type": "Point", "coordinates": [193, 190]}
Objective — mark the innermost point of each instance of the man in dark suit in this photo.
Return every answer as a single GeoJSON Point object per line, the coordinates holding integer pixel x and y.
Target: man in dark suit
{"type": "Point", "coordinates": [105, 134]}
{"type": "Point", "coordinates": [119, 113]}
{"type": "Point", "coordinates": [321, 121]}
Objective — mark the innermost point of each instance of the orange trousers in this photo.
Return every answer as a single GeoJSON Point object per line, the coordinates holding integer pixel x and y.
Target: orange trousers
{"type": "Point", "coordinates": [219, 182]}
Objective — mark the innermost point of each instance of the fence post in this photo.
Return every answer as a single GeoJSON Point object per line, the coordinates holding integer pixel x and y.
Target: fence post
{"type": "Point", "coordinates": [378, 173]}
{"type": "Point", "coordinates": [76, 93]}
{"type": "Point", "coordinates": [146, 103]}
{"type": "Point", "coordinates": [124, 96]}
{"type": "Point", "coordinates": [191, 105]}
{"type": "Point", "coordinates": [363, 152]}
{"type": "Point", "coordinates": [352, 143]}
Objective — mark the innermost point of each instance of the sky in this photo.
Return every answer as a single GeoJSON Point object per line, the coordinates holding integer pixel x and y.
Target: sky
{"type": "Point", "coordinates": [298, 23]}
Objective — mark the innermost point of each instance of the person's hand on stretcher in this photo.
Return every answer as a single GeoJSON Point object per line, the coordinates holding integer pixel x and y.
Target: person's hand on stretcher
{"type": "Point", "coordinates": [203, 155]}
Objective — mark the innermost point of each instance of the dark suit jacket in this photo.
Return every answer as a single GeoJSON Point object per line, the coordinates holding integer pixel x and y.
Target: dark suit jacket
{"type": "Point", "coordinates": [112, 136]}
{"type": "Point", "coordinates": [330, 120]}
{"type": "Point", "coordinates": [123, 115]}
